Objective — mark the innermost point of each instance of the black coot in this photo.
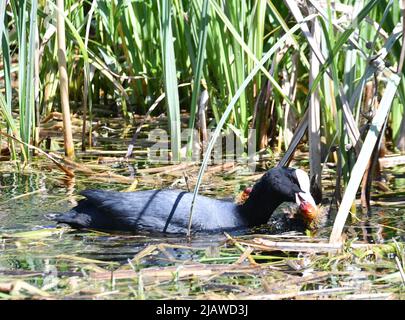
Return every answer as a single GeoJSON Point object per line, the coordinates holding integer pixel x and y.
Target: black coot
{"type": "Point", "coordinates": [168, 210]}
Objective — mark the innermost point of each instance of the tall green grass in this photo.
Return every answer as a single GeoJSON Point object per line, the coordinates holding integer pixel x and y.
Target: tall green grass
{"type": "Point", "coordinates": [128, 52]}
{"type": "Point", "coordinates": [170, 76]}
{"type": "Point", "coordinates": [26, 28]}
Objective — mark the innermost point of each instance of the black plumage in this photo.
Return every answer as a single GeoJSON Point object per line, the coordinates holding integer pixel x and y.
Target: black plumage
{"type": "Point", "coordinates": [168, 210]}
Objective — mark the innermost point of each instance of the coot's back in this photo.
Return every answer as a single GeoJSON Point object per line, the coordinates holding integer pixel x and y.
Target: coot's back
{"type": "Point", "coordinates": [152, 210]}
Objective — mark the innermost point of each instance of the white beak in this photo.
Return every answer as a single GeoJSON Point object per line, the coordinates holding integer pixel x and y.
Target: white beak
{"type": "Point", "coordinates": [304, 183]}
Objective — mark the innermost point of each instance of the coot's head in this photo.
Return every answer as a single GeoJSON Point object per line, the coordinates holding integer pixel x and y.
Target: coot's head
{"type": "Point", "coordinates": [286, 185]}
{"type": "Point", "coordinates": [276, 186]}
{"type": "Point", "coordinates": [310, 213]}
{"type": "Point", "coordinates": [303, 197]}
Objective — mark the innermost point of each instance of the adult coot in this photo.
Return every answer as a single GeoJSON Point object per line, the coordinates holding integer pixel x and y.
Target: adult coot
{"type": "Point", "coordinates": [168, 210]}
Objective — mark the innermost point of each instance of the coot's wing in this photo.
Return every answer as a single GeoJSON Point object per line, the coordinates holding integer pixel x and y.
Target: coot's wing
{"type": "Point", "coordinates": [153, 210]}
{"type": "Point", "coordinates": [97, 196]}
{"type": "Point", "coordinates": [121, 203]}
{"type": "Point", "coordinates": [156, 210]}
{"type": "Point", "coordinates": [126, 210]}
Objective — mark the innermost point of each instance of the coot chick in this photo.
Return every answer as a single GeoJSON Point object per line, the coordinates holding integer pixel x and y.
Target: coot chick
{"type": "Point", "coordinates": [302, 218]}
{"type": "Point", "coordinates": [168, 210]}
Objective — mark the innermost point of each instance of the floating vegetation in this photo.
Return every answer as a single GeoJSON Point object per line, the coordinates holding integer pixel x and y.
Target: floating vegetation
{"type": "Point", "coordinates": [244, 267]}
{"type": "Point", "coordinates": [41, 261]}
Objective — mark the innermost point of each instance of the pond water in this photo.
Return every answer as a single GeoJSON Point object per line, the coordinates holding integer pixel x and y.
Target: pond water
{"type": "Point", "coordinates": [26, 198]}
{"type": "Point", "coordinates": [27, 195]}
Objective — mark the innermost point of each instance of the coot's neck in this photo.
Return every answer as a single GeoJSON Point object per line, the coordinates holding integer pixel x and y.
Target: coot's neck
{"type": "Point", "coordinates": [261, 203]}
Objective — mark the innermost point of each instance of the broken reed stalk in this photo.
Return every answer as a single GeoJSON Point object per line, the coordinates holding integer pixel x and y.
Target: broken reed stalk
{"type": "Point", "coordinates": [363, 158]}
{"type": "Point", "coordinates": [103, 176]}
{"type": "Point", "coordinates": [246, 253]}
{"type": "Point", "coordinates": [312, 247]}
{"type": "Point", "coordinates": [80, 167]}
{"type": "Point", "coordinates": [181, 271]}
{"type": "Point", "coordinates": [16, 287]}
{"type": "Point", "coordinates": [392, 161]}
{"type": "Point", "coordinates": [56, 162]}
{"type": "Point", "coordinates": [290, 295]}
{"type": "Point", "coordinates": [87, 84]}
{"type": "Point", "coordinates": [268, 245]}
{"type": "Point", "coordinates": [64, 93]}
{"type": "Point", "coordinates": [314, 119]}
{"type": "Point", "coordinates": [400, 268]}
{"type": "Point", "coordinates": [370, 170]}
